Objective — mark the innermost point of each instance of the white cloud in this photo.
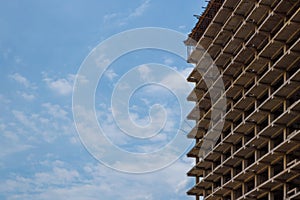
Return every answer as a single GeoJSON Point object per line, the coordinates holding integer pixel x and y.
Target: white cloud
{"type": "Point", "coordinates": [55, 110]}
{"type": "Point", "coordinates": [181, 186]}
{"type": "Point", "coordinates": [109, 17]}
{"type": "Point", "coordinates": [8, 150]}
{"type": "Point", "coordinates": [62, 86]}
{"type": "Point", "coordinates": [144, 71]}
{"type": "Point", "coordinates": [95, 181]}
{"type": "Point", "coordinates": [102, 61]}
{"type": "Point", "coordinates": [26, 96]}
{"type": "Point", "coordinates": [81, 79]}
{"type": "Point", "coordinates": [10, 142]}
{"type": "Point", "coordinates": [58, 176]}
{"type": "Point", "coordinates": [182, 27]}
{"type": "Point", "coordinates": [50, 123]}
{"type": "Point", "coordinates": [185, 72]}
{"type": "Point", "coordinates": [115, 132]}
{"type": "Point", "coordinates": [20, 79]}
{"type": "Point", "coordinates": [177, 85]}
{"type": "Point", "coordinates": [168, 61]}
{"type": "Point", "coordinates": [123, 18]}
{"type": "Point", "coordinates": [24, 119]}
{"type": "Point", "coordinates": [110, 74]}
{"type": "Point", "coordinates": [141, 9]}
{"type": "Point", "coordinates": [74, 140]}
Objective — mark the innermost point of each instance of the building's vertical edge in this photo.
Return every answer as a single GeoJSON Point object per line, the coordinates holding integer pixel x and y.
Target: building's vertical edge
{"type": "Point", "coordinates": [255, 45]}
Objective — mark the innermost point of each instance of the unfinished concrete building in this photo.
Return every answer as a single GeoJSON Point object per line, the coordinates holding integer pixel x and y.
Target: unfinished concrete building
{"type": "Point", "coordinates": [255, 44]}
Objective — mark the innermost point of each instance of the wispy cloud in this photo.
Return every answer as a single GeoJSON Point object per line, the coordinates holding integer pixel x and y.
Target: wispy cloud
{"type": "Point", "coordinates": [20, 79]}
{"type": "Point", "coordinates": [12, 148]}
{"type": "Point", "coordinates": [55, 110]}
{"type": "Point", "coordinates": [25, 120]}
{"type": "Point", "coordinates": [4, 99]}
{"type": "Point", "coordinates": [26, 96]}
{"type": "Point", "coordinates": [182, 27]}
{"type": "Point", "coordinates": [123, 18]}
{"type": "Point", "coordinates": [47, 125]}
{"type": "Point", "coordinates": [10, 142]}
{"type": "Point", "coordinates": [29, 88]}
{"type": "Point", "coordinates": [95, 181]}
{"type": "Point", "coordinates": [109, 17]}
{"type": "Point", "coordinates": [139, 11]}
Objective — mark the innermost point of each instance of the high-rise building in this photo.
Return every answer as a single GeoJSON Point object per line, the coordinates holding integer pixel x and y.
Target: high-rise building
{"type": "Point", "coordinates": [255, 45]}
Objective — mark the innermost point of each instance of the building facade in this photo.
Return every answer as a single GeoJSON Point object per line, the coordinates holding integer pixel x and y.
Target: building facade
{"type": "Point", "coordinates": [255, 44]}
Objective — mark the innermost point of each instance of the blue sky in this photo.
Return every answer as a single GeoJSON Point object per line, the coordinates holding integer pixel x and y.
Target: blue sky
{"type": "Point", "coordinates": [42, 45]}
